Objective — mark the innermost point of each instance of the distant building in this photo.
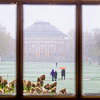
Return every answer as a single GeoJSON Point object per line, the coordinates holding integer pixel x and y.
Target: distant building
{"type": "Point", "coordinates": [44, 42]}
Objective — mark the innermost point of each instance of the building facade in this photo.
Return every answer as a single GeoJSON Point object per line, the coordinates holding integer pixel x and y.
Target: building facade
{"type": "Point", "coordinates": [44, 42]}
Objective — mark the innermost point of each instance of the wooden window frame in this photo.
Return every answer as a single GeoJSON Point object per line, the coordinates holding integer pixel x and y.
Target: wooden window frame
{"type": "Point", "coordinates": [78, 54]}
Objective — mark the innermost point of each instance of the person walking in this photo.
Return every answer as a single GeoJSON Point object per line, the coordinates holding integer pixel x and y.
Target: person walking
{"type": "Point", "coordinates": [56, 64]}
{"type": "Point", "coordinates": [63, 74]}
{"type": "Point", "coordinates": [55, 75]}
{"type": "Point", "coordinates": [52, 74]}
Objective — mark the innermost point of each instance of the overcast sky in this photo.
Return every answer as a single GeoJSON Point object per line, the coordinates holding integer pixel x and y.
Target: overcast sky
{"type": "Point", "coordinates": [63, 17]}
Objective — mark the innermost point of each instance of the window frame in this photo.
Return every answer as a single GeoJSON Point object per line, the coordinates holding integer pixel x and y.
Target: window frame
{"type": "Point", "coordinates": [78, 45]}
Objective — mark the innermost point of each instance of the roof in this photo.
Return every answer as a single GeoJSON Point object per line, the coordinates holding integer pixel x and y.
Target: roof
{"type": "Point", "coordinates": [43, 29]}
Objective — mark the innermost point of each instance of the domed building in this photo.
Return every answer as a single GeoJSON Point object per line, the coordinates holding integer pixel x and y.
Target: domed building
{"type": "Point", "coordinates": [44, 42]}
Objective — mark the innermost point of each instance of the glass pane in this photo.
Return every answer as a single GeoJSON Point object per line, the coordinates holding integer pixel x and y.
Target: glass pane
{"type": "Point", "coordinates": [7, 49]}
{"type": "Point", "coordinates": [49, 50]}
{"type": "Point", "coordinates": [91, 50]}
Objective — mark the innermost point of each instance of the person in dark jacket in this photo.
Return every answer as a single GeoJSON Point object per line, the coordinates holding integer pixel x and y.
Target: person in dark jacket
{"type": "Point", "coordinates": [63, 74]}
{"type": "Point", "coordinates": [52, 74]}
{"type": "Point", "coordinates": [55, 75]}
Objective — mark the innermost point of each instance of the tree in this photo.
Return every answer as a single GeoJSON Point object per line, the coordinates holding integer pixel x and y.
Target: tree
{"type": "Point", "coordinates": [71, 46]}
{"type": "Point", "coordinates": [97, 44]}
{"type": "Point", "coordinates": [6, 43]}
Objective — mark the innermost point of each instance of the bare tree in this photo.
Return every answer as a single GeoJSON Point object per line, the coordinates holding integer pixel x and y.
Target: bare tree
{"type": "Point", "coordinates": [6, 44]}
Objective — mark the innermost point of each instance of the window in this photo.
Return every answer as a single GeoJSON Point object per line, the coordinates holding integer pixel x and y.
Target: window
{"type": "Point", "coordinates": [91, 51]}
{"type": "Point", "coordinates": [50, 29]}
{"type": "Point", "coordinates": [86, 78]}
{"type": "Point", "coordinates": [8, 49]}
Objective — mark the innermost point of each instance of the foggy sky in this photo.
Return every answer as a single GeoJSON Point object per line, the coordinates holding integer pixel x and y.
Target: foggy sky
{"type": "Point", "coordinates": [63, 17]}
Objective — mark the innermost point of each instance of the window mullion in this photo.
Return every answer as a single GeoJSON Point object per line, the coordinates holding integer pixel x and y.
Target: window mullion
{"type": "Point", "coordinates": [19, 50]}
{"type": "Point", "coordinates": [79, 50]}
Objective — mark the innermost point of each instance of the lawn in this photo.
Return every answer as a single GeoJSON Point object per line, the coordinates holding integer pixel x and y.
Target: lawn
{"type": "Point", "coordinates": [32, 70]}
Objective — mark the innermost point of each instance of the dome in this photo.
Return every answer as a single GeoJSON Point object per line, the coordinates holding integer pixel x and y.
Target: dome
{"type": "Point", "coordinates": [43, 29]}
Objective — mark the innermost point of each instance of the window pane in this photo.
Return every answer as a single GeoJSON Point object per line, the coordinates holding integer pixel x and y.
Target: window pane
{"type": "Point", "coordinates": [49, 49]}
{"type": "Point", "coordinates": [91, 50]}
{"type": "Point", "coordinates": [7, 49]}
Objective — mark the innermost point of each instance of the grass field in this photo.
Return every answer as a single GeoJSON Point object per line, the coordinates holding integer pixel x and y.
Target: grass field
{"type": "Point", "coordinates": [32, 70]}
